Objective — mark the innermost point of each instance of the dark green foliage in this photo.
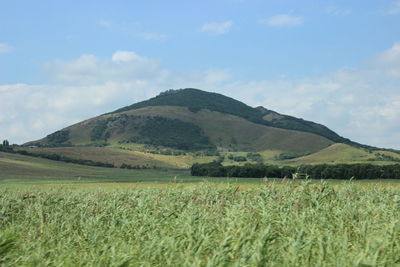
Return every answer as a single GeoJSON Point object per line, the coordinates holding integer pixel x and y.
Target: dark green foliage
{"type": "Point", "coordinates": [6, 147]}
{"type": "Point", "coordinates": [195, 100]}
{"type": "Point", "coordinates": [290, 155]}
{"type": "Point", "coordinates": [237, 158]}
{"type": "Point", "coordinates": [7, 244]}
{"type": "Point", "coordinates": [207, 153]}
{"type": "Point", "coordinates": [136, 167]}
{"type": "Point", "coordinates": [99, 132]}
{"type": "Point", "coordinates": [215, 169]}
{"type": "Point", "coordinates": [254, 157]}
{"type": "Point", "coordinates": [57, 157]}
{"type": "Point", "coordinates": [58, 137]}
{"type": "Point", "coordinates": [323, 171]}
{"type": "Point", "coordinates": [160, 131]}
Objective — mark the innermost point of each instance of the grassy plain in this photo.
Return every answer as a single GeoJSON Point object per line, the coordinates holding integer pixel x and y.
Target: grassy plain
{"type": "Point", "coordinates": [295, 224]}
{"type": "Point", "coordinates": [61, 214]}
{"type": "Point", "coordinates": [138, 155]}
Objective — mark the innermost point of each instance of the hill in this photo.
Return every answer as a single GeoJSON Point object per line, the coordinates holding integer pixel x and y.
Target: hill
{"type": "Point", "coordinates": [180, 127]}
{"type": "Point", "coordinates": [191, 119]}
{"type": "Point", "coordinates": [195, 100]}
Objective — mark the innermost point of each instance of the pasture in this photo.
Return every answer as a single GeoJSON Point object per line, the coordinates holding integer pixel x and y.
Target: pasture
{"type": "Point", "coordinates": [63, 214]}
{"type": "Point", "coordinates": [273, 224]}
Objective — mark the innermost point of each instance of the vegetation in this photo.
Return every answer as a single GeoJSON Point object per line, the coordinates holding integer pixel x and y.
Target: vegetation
{"type": "Point", "coordinates": [21, 169]}
{"type": "Point", "coordinates": [273, 225]}
{"type": "Point", "coordinates": [237, 158]}
{"type": "Point", "coordinates": [57, 157]}
{"type": "Point", "coordinates": [290, 155]}
{"type": "Point", "coordinates": [58, 137]}
{"type": "Point", "coordinates": [324, 171]}
{"type": "Point", "coordinates": [136, 167]}
{"type": "Point", "coordinates": [196, 100]}
{"type": "Point", "coordinates": [254, 157]}
{"type": "Point", "coordinates": [99, 132]}
{"type": "Point", "coordinates": [6, 146]}
{"type": "Point", "coordinates": [160, 131]}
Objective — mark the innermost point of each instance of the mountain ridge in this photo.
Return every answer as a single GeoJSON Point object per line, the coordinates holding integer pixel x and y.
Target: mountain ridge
{"type": "Point", "coordinates": [192, 119]}
{"type": "Point", "coordinates": [196, 99]}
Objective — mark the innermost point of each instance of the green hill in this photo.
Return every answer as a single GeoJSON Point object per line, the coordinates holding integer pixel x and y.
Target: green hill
{"type": "Point", "coordinates": [195, 100]}
{"type": "Point", "coordinates": [343, 153]}
{"type": "Point", "coordinates": [180, 127]}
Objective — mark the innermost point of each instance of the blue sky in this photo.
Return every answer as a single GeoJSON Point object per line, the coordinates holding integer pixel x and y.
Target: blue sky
{"type": "Point", "coordinates": [334, 62]}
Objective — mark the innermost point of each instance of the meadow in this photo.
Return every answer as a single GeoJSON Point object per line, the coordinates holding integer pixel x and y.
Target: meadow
{"type": "Point", "coordinates": [62, 214]}
{"type": "Point", "coordinates": [273, 224]}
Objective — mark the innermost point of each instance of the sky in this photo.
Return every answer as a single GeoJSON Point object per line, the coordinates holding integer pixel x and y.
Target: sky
{"type": "Point", "coordinates": [333, 62]}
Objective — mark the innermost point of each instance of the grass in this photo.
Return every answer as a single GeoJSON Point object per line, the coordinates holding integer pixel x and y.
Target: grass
{"type": "Point", "coordinates": [102, 154]}
{"type": "Point", "coordinates": [19, 169]}
{"type": "Point", "coordinates": [224, 130]}
{"type": "Point", "coordinates": [202, 225]}
{"type": "Point", "coordinates": [342, 153]}
{"type": "Point", "coordinates": [135, 155]}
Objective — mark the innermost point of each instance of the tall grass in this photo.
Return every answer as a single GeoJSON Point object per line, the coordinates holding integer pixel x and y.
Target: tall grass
{"type": "Point", "coordinates": [272, 225]}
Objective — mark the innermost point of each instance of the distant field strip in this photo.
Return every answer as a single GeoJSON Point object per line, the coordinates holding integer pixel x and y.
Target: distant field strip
{"type": "Point", "coordinates": [203, 225]}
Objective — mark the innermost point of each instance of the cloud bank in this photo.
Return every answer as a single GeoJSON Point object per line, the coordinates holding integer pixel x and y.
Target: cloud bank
{"type": "Point", "coordinates": [5, 48]}
{"type": "Point", "coordinates": [360, 103]}
{"type": "Point", "coordinates": [217, 27]}
{"type": "Point", "coordinates": [283, 20]}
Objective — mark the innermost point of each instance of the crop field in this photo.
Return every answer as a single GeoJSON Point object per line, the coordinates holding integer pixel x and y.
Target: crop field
{"type": "Point", "coordinates": [64, 214]}
{"type": "Point", "coordinates": [273, 224]}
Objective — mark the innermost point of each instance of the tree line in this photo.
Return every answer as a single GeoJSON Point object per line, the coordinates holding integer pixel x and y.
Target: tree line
{"type": "Point", "coordinates": [321, 171]}
{"type": "Point", "coordinates": [51, 156]}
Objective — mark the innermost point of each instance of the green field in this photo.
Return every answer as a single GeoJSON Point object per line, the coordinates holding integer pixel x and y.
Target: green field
{"type": "Point", "coordinates": [61, 214]}
{"type": "Point", "coordinates": [200, 225]}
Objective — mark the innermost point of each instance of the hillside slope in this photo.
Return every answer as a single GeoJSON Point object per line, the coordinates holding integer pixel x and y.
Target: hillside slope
{"type": "Point", "coordinates": [195, 100]}
{"type": "Point", "coordinates": [179, 128]}
{"type": "Point", "coordinates": [343, 153]}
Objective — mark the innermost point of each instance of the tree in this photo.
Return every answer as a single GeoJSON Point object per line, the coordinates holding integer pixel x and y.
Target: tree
{"type": "Point", "coordinates": [6, 143]}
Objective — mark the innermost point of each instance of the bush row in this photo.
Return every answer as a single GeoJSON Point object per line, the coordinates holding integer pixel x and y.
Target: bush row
{"type": "Point", "coordinates": [60, 158]}
{"type": "Point", "coordinates": [322, 171]}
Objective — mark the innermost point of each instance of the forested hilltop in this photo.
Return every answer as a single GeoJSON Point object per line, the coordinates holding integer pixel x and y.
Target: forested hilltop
{"type": "Point", "coordinates": [193, 126]}
{"type": "Point", "coordinates": [195, 100]}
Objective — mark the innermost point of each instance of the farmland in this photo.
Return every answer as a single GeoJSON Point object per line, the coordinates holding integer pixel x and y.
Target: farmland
{"type": "Point", "coordinates": [62, 214]}
{"type": "Point", "coordinates": [292, 224]}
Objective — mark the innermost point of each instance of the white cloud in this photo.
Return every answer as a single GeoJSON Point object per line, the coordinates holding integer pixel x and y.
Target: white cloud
{"type": "Point", "coordinates": [125, 56]}
{"type": "Point", "coordinates": [338, 11]}
{"type": "Point", "coordinates": [217, 27]}
{"type": "Point", "coordinates": [283, 20]}
{"type": "Point", "coordinates": [153, 36]}
{"type": "Point", "coordinates": [105, 24]}
{"type": "Point", "coordinates": [391, 56]}
{"type": "Point", "coordinates": [389, 62]}
{"type": "Point", "coordinates": [359, 103]}
{"type": "Point", "coordinates": [88, 69]}
{"type": "Point", "coordinates": [394, 9]}
{"type": "Point", "coordinates": [5, 48]}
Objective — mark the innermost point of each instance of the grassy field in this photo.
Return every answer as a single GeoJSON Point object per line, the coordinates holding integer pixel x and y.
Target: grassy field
{"type": "Point", "coordinates": [224, 130]}
{"type": "Point", "coordinates": [137, 155]}
{"type": "Point", "coordinates": [200, 225]}
{"type": "Point", "coordinates": [61, 214]}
